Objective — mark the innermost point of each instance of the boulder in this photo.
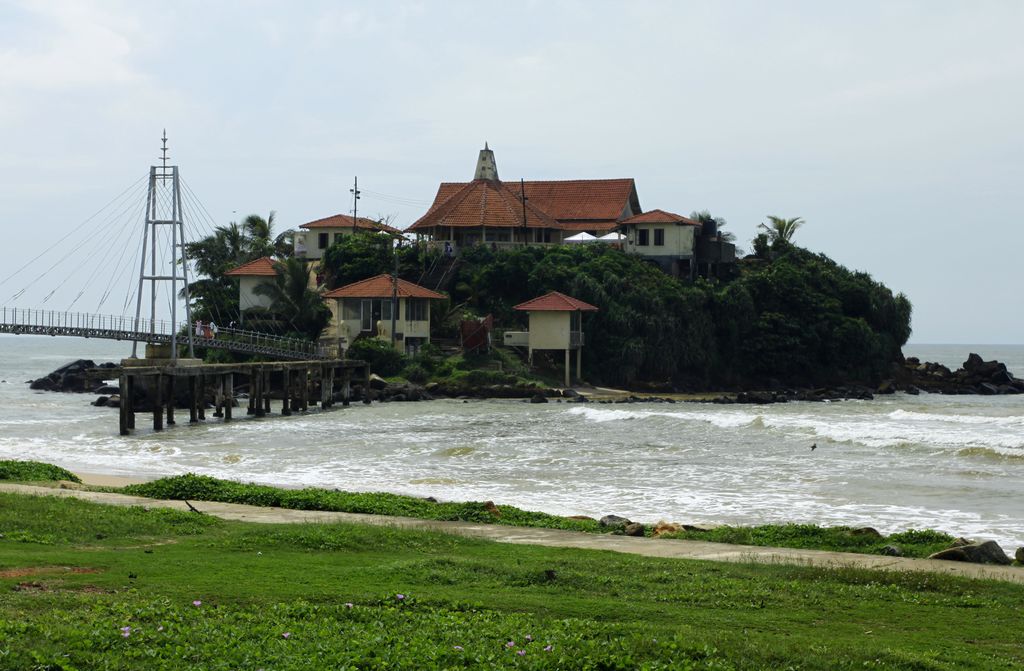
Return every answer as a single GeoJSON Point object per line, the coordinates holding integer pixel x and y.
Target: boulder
{"type": "Point", "coordinates": [866, 531]}
{"type": "Point", "coordinates": [570, 393]}
{"type": "Point", "coordinates": [662, 528]}
{"type": "Point", "coordinates": [1019, 555]}
{"type": "Point", "coordinates": [886, 387]}
{"type": "Point", "coordinates": [634, 529]}
{"type": "Point", "coordinates": [538, 398]}
{"type": "Point", "coordinates": [892, 551]}
{"type": "Point", "coordinates": [614, 522]}
{"type": "Point", "coordinates": [973, 361]}
{"type": "Point", "coordinates": [491, 508]}
{"type": "Point", "coordinates": [107, 389]}
{"type": "Point", "coordinates": [115, 401]}
{"type": "Point", "coordinates": [987, 389]}
{"type": "Point", "coordinates": [101, 401]}
{"type": "Point", "coordinates": [377, 382]}
{"type": "Point", "coordinates": [986, 552]}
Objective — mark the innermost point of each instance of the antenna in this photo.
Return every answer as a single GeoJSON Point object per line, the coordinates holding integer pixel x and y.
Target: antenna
{"type": "Point", "coordinates": [163, 157]}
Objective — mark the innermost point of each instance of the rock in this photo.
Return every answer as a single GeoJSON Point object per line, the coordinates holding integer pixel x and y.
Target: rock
{"type": "Point", "coordinates": [377, 382]}
{"type": "Point", "coordinates": [866, 531]}
{"type": "Point", "coordinates": [886, 387]}
{"type": "Point", "coordinates": [634, 529]}
{"type": "Point", "coordinates": [614, 522]}
{"type": "Point", "coordinates": [101, 401]}
{"type": "Point", "coordinates": [114, 401]}
{"type": "Point", "coordinates": [986, 389]}
{"type": "Point", "coordinates": [107, 389]}
{"type": "Point", "coordinates": [912, 390]}
{"type": "Point", "coordinates": [491, 508]}
{"type": "Point", "coordinates": [987, 552]}
{"type": "Point", "coordinates": [538, 398]}
{"type": "Point", "coordinates": [662, 528]}
{"type": "Point", "coordinates": [1019, 555]}
{"type": "Point", "coordinates": [700, 527]}
{"type": "Point", "coordinates": [892, 551]}
{"type": "Point", "coordinates": [973, 361]}
{"type": "Point", "coordinates": [570, 393]}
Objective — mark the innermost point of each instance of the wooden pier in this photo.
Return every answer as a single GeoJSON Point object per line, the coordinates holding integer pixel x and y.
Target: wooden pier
{"type": "Point", "coordinates": [296, 384]}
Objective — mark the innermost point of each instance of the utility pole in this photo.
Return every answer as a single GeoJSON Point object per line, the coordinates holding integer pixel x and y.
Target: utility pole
{"type": "Point", "coordinates": [355, 203]}
{"type": "Point", "coordinates": [394, 292]}
{"type": "Point", "coordinates": [522, 192]}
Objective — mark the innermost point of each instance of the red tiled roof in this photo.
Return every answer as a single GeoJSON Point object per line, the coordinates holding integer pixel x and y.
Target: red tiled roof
{"type": "Point", "coordinates": [577, 226]}
{"type": "Point", "coordinates": [345, 221]}
{"type": "Point", "coordinates": [263, 267]}
{"type": "Point", "coordinates": [660, 217]}
{"type": "Point", "coordinates": [555, 302]}
{"type": "Point", "coordinates": [381, 287]}
{"type": "Point", "coordinates": [570, 202]}
{"type": "Point", "coordinates": [483, 203]}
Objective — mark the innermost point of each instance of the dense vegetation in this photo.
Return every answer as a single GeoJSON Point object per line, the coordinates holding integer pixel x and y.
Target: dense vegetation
{"type": "Point", "coordinates": [33, 471]}
{"type": "Point", "coordinates": [791, 317]}
{"type": "Point", "coordinates": [85, 586]}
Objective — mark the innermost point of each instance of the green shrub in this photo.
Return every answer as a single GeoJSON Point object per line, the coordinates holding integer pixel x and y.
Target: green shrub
{"type": "Point", "coordinates": [384, 359]}
{"type": "Point", "coordinates": [33, 471]}
{"type": "Point", "coordinates": [415, 372]}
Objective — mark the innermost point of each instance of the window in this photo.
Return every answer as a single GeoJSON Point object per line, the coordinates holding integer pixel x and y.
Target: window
{"type": "Point", "coordinates": [659, 237]}
{"type": "Point", "coordinates": [416, 309]}
{"type": "Point", "coordinates": [643, 237]}
{"type": "Point", "coordinates": [321, 241]}
{"type": "Point", "coordinates": [385, 310]}
{"type": "Point", "coordinates": [350, 309]}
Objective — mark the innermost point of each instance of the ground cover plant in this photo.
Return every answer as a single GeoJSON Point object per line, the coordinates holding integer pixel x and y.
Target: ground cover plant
{"type": "Point", "coordinates": [184, 591]}
{"type": "Point", "coordinates": [33, 471]}
{"type": "Point", "coordinates": [808, 536]}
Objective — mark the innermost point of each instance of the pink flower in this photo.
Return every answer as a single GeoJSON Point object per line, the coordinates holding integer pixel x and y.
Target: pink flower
{"type": "Point", "coordinates": [400, 597]}
{"type": "Point", "coordinates": [528, 638]}
{"type": "Point", "coordinates": [547, 648]}
{"type": "Point", "coordinates": [520, 652]}
{"type": "Point", "coordinates": [348, 605]}
{"type": "Point", "coordinates": [510, 644]}
{"type": "Point", "coordinates": [126, 631]}
{"type": "Point", "coordinates": [197, 603]}
{"type": "Point", "coordinates": [457, 647]}
{"type": "Point", "coordinates": [286, 634]}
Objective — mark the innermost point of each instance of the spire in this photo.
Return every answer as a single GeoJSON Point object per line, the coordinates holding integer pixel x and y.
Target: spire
{"type": "Point", "coordinates": [486, 168]}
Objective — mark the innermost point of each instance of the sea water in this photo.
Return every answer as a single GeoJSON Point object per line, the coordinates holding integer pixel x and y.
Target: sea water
{"type": "Point", "coordinates": [954, 463]}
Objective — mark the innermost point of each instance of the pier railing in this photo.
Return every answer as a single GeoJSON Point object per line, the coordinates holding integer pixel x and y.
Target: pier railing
{"type": "Point", "coordinates": [28, 321]}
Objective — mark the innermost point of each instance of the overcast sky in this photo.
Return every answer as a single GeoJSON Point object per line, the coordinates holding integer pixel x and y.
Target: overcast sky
{"type": "Point", "coordinates": [893, 128]}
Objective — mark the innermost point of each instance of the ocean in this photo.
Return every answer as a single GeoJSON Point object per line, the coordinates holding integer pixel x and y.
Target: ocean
{"type": "Point", "coordinates": [954, 463]}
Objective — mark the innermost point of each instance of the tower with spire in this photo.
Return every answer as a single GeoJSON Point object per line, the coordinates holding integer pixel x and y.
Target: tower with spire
{"type": "Point", "coordinates": [486, 168]}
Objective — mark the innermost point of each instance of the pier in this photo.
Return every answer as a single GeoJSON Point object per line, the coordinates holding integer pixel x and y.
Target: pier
{"type": "Point", "coordinates": [296, 384]}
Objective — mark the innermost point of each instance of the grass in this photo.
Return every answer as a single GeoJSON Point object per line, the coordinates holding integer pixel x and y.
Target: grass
{"type": "Point", "coordinates": [33, 471]}
{"type": "Point", "coordinates": [171, 590]}
{"type": "Point", "coordinates": [841, 539]}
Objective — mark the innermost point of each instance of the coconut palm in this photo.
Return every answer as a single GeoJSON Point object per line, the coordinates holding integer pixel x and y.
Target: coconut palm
{"type": "Point", "coordinates": [704, 217]}
{"type": "Point", "coordinates": [782, 229]}
{"type": "Point", "coordinates": [300, 308]}
{"type": "Point", "coordinates": [262, 242]}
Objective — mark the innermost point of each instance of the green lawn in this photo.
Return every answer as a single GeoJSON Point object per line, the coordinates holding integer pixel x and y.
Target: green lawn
{"type": "Point", "coordinates": [84, 586]}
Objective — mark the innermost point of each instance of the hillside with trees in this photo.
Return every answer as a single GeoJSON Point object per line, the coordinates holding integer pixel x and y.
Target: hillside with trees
{"type": "Point", "coordinates": [790, 317]}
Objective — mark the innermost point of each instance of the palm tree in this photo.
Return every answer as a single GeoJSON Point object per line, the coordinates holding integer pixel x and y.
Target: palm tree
{"type": "Point", "coordinates": [262, 242]}
{"type": "Point", "coordinates": [782, 229]}
{"type": "Point", "coordinates": [293, 302]}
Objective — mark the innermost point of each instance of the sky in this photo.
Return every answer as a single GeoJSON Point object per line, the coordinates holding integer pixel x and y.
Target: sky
{"type": "Point", "coordinates": [893, 128]}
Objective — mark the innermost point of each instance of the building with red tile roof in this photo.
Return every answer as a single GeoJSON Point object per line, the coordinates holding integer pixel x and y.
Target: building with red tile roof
{"type": "Point", "coordinates": [364, 309]}
{"type": "Point", "coordinates": [251, 275]}
{"type": "Point", "coordinates": [316, 236]}
{"type": "Point", "coordinates": [555, 324]}
{"type": "Point", "coordinates": [487, 210]}
{"type": "Point", "coordinates": [680, 246]}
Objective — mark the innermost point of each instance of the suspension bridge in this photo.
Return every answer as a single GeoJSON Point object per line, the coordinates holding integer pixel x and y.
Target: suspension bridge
{"type": "Point", "coordinates": [293, 370]}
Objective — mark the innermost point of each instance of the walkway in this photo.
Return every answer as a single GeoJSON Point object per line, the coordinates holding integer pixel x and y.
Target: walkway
{"type": "Point", "coordinates": [648, 547]}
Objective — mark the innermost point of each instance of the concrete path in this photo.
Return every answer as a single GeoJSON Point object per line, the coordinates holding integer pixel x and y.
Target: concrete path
{"type": "Point", "coordinates": [648, 547]}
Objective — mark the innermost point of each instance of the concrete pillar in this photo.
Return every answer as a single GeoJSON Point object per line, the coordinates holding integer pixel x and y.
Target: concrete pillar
{"type": "Point", "coordinates": [170, 399]}
{"type": "Point", "coordinates": [129, 397]}
{"type": "Point", "coordinates": [286, 376]}
{"type": "Point", "coordinates": [366, 388]}
{"type": "Point", "coordinates": [567, 361]}
{"type": "Point", "coordinates": [229, 395]}
{"type": "Point", "coordinates": [158, 402]}
{"type": "Point", "coordinates": [201, 396]}
{"type": "Point", "coordinates": [122, 424]}
{"type": "Point", "coordinates": [251, 409]}
{"type": "Point", "coordinates": [579, 364]}
{"type": "Point", "coordinates": [346, 386]}
{"type": "Point", "coordinates": [266, 388]}
{"type": "Point", "coordinates": [193, 404]}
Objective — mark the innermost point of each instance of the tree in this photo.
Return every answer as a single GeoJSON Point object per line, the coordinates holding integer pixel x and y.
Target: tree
{"type": "Point", "coordinates": [261, 240]}
{"type": "Point", "coordinates": [292, 302]}
{"type": "Point", "coordinates": [782, 229]}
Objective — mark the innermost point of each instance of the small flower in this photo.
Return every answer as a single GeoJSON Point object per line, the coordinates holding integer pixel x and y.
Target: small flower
{"type": "Point", "coordinates": [520, 652]}
{"type": "Point", "coordinates": [510, 644]}
{"type": "Point", "coordinates": [547, 648]}
{"type": "Point", "coordinates": [259, 554]}
{"type": "Point", "coordinates": [197, 603]}
{"type": "Point", "coordinates": [528, 638]}
{"type": "Point", "coordinates": [349, 605]}
{"type": "Point", "coordinates": [160, 628]}
{"type": "Point", "coordinates": [400, 597]}
{"type": "Point", "coordinates": [457, 647]}
{"type": "Point", "coordinates": [126, 631]}
{"type": "Point", "coordinates": [286, 634]}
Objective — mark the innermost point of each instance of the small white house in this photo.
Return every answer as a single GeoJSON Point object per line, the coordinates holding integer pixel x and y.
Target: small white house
{"type": "Point", "coordinates": [555, 324]}
{"type": "Point", "coordinates": [250, 275]}
{"type": "Point", "coordinates": [668, 239]}
{"type": "Point", "coordinates": [314, 237]}
{"type": "Point", "coordinates": [365, 308]}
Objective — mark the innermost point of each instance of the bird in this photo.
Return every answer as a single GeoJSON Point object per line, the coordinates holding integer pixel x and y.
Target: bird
{"type": "Point", "coordinates": [814, 447]}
